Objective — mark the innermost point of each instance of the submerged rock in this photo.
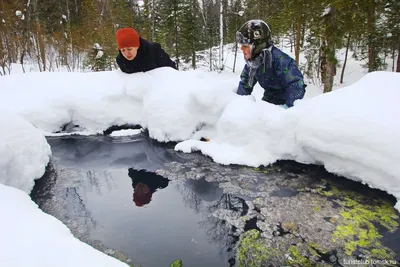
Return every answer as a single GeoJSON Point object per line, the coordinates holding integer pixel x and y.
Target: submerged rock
{"type": "Point", "coordinates": [304, 215]}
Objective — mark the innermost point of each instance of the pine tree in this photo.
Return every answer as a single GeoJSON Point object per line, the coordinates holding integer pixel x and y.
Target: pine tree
{"type": "Point", "coordinates": [171, 16]}
{"type": "Point", "coordinates": [190, 27]}
{"type": "Point", "coordinates": [392, 12]}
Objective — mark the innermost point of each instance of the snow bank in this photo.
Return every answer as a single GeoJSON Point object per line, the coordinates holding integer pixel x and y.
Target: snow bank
{"type": "Point", "coordinates": [24, 152]}
{"type": "Point", "coordinates": [353, 131]}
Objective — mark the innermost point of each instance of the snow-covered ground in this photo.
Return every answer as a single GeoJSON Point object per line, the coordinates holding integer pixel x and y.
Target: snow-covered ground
{"type": "Point", "coordinates": [25, 152]}
{"type": "Point", "coordinates": [353, 131]}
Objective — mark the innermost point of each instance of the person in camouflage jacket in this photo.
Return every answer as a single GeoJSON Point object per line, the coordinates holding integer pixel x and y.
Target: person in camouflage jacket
{"type": "Point", "coordinates": [275, 71]}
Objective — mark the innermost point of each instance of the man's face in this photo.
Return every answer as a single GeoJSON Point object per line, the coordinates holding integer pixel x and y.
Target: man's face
{"type": "Point", "coordinates": [246, 49]}
{"type": "Point", "coordinates": [129, 52]}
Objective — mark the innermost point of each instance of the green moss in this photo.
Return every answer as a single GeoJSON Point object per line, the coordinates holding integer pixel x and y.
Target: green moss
{"type": "Point", "coordinates": [379, 253]}
{"type": "Point", "coordinates": [313, 252]}
{"type": "Point", "coordinates": [296, 259]}
{"type": "Point", "coordinates": [358, 229]}
{"type": "Point", "coordinates": [317, 209]}
{"type": "Point", "coordinates": [264, 169]}
{"type": "Point", "coordinates": [176, 263]}
{"type": "Point", "coordinates": [328, 193]}
{"type": "Point", "coordinates": [359, 216]}
{"type": "Point", "coordinates": [316, 247]}
{"type": "Point", "coordinates": [251, 250]}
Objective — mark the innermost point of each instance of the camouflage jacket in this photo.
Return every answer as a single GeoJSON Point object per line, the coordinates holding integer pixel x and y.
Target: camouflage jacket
{"type": "Point", "coordinates": [283, 82]}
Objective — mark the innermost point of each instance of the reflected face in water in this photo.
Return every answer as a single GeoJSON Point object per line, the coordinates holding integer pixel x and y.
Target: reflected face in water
{"type": "Point", "coordinates": [142, 194]}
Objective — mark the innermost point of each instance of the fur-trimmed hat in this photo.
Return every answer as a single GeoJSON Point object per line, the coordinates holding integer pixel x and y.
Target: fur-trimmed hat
{"type": "Point", "coordinates": [127, 37]}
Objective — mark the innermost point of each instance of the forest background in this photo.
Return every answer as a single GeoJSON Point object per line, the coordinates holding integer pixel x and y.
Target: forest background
{"type": "Point", "coordinates": [79, 35]}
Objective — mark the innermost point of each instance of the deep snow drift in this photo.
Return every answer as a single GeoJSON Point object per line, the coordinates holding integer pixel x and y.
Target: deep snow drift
{"type": "Point", "coordinates": [352, 131]}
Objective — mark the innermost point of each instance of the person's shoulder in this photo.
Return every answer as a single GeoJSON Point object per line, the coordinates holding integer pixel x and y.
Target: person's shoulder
{"type": "Point", "coordinates": [148, 44]}
{"type": "Point", "coordinates": [279, 54]}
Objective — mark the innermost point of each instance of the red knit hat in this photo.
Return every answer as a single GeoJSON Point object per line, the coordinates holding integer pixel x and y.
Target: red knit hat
{"type": "Point", "coordinates": [127, 37]}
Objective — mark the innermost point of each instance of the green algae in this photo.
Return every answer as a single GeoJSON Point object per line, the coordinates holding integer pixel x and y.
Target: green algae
{"type": "Point", "coordinates": [359, 230]}
{"type": "Point", "coordinates": [265, 169]}
{"type": "Point", "coordinates": [251, 250]}
{"type": "Point", "coordinates": [296, 259]}
{"type": "Point", "coordinates": [360, 215]}
{"type": "Point", "coordinates": [176, 263]}
{"type": "Point", "coordinates": [317, 208]}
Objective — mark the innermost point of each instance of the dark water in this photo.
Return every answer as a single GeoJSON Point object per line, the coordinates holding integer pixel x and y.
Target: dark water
{"type": "Point", "coordinates": [91, 185]}
{"type": "Point", "coordinates": [107, 192]}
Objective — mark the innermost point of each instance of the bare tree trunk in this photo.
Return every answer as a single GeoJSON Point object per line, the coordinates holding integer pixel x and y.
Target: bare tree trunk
{"type": "Point", "coordinates": [176, 40]}
{"type": "Point", "coordinates": [206, 26]}
{"type": "Point", "coordinates": [41, 46]}
{"type": "Point", "coordinates": [193, 41]}
{"type": "Point", "coordinates": [211, 56]}
{"type": "Point", "coordinates": [234, 60]}
{"type": "Point", "coordinates": [291, 41]}
{"type": "Point", "coordinates": [345, 58]}
{"type": "Point", "coordinates": [37, 48]}
{"type": "Point", "coordinates": [298, 37]}
{"type": "Point", "coordinates": [69, 30]}
{"type": "Point", "coordinates": [319, 62]}
{"type": "Point", "coordinates": [393, 57]}
{"type": "Point", "coordinates": [330, 20]}
{"type": "Point", "coordinates": [398, 60]}
{"type": "Point", "coordinates": [221, 37]}
{"type": "Point", "coordinates": [2, 56]}
{"type": "Point", "coordinates": [371, 36]}
{"type": "Point", "coordinates": [193, 59]}
{"type": "Point", "coordinates": [153, 35]}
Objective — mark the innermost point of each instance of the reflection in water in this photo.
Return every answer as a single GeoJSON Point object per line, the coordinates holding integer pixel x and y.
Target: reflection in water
{"type": "Point", "coordinates": [59, 193]}
{"type": "Point", "coordinates": [207, 198]}
{"type": "Point", "coordinates": [138, 152]}
{"type": "Point", "coordinates": [91, 191]}
{"type": "Point", "coordinates": [144, 185]}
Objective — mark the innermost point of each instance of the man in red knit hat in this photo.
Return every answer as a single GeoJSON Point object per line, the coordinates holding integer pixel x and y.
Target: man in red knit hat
{"type": "Point", "coordinates": [136, 54]}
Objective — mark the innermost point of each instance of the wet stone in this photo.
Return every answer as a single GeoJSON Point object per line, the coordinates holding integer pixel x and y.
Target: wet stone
{"type": "Point", "coordinates": [299, 209]}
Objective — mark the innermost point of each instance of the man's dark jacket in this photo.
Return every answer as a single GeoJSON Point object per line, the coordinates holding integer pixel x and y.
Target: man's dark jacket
{"type": "Point", "coordinates": [149, 56]}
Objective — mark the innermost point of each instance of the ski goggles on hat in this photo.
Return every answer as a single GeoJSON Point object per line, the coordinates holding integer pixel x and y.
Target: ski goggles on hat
{"type": "Point", "coordinates": [241, 39]}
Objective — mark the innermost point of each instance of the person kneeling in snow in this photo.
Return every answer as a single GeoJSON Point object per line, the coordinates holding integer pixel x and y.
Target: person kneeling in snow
{"type": "Point", "coordinates": [136, 54]}
{"type": "Point", "coordinates": [274, 70]}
